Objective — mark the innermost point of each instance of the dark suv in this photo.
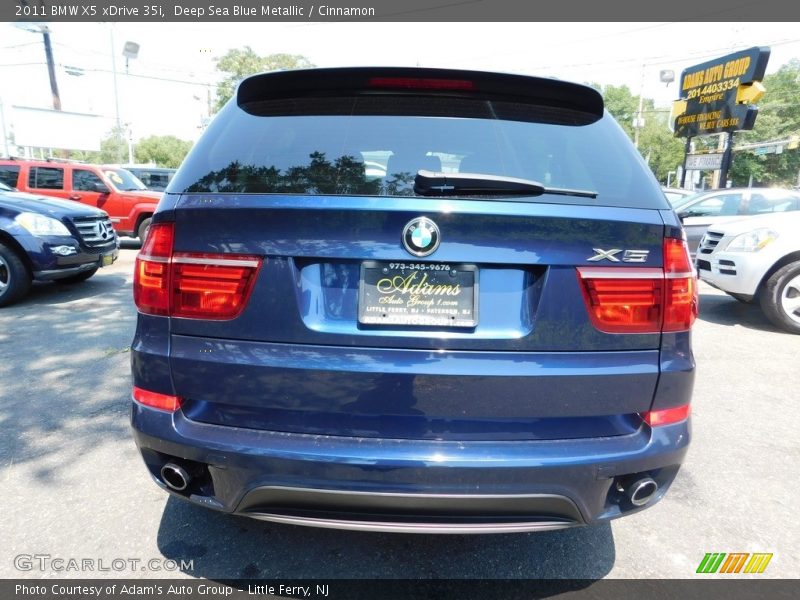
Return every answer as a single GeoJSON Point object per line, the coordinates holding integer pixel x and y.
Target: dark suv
{"type": "Point", "coordinates": [414, 300]}
{"type": "Point", "coordinates": [45, 239]}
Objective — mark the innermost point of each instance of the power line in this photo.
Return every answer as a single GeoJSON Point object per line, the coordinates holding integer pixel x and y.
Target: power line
{"type": "Point", "coordinates": [19, 45]}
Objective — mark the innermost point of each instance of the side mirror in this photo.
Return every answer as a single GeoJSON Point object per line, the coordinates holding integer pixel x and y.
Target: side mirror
{"type": "Point", "coordinates": [100, 188]}
{"type": "Point", "coordinates": [682, 215]}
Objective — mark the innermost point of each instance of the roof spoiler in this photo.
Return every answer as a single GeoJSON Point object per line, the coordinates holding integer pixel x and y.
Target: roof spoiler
{"type": "Point", "coordinates": [309, 83]}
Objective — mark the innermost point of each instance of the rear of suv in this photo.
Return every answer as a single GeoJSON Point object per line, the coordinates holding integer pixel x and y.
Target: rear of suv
{"type": "Point", "coordinates": [129, 204]}
{"type": "Point", "coordinates": [414, 300]}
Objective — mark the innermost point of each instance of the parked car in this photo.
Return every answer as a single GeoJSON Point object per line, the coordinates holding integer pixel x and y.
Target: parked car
{"type": "Point", "coordinates": [466, 351]}
{"type": "Point", "coordinates": [44, 239]}
{"type": "Point", "coordinates": [154, 178]}
{"type": "Point", "coordinates": [118, 192]}
{"type": "Point", "coordinates": [757, 260]}
{"type": "Point", "coordinates": [675, 196]}
{"type": "Point", "coordinates": [716, 207]}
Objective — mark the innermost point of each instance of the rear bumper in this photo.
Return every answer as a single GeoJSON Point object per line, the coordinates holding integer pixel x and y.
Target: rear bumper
{"type": "Point", "coordinates": [408, 485]}
{"type": "Point", "coordinates": [389, 479]}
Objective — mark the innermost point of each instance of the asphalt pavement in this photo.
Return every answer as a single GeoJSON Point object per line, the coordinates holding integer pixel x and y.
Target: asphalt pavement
{"type": "Point", "coordinates": [73, 485]}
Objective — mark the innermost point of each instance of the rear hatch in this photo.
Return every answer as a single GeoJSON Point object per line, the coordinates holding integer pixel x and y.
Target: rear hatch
{"type": "Point", "coordinates": [379, 307]}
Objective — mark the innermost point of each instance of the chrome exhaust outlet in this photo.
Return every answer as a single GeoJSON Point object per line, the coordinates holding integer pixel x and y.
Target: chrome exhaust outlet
{"type": "Point", "coordinates": [175, 477]}
{"type": "Point", "coordinates": [641, 491]}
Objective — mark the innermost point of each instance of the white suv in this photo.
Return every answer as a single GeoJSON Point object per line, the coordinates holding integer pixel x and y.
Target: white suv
{"type": "Point", "coordinates": [757, 259]}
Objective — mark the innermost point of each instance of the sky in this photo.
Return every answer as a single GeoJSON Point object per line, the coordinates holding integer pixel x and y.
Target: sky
{"type": "Point", "coordinates": [165, 90]}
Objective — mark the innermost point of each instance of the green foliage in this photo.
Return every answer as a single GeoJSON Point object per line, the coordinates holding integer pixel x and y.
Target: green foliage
{"type": "Point", "coordinates": [113, 149]}
{"type": "Point", "coordinates": [236, 64]}
{"type": "Point", "coordinates": [622, 104]}
{"type": "Point", "coordinates": [656, 143]}
{"type": "Point", "coordinates": [662, 149]}
{"type": "Point", "coordinates": [778, 118]}
{"type": "Point", "coordinates": [163, 150]}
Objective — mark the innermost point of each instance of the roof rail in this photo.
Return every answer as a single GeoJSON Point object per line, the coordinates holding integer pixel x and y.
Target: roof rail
{"type": "Point", "coordinates": [52, 159]}
{"type": "Point", "coordinates": [64, 160]}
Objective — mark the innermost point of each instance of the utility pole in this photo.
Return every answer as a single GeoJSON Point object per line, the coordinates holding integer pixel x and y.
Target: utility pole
{"type": "Point", "coordinates": [686, 150]}
{"type": "Point", "coordinates": [638, 123]}
{"type": "Point", "coordinates": [726, 160]}
{"type": "Point", "coordinates": [3, 131]}
{"type": "Point", "coordinates": [51, 69]}
{"type": "Point", "coordinates": [116, 92]}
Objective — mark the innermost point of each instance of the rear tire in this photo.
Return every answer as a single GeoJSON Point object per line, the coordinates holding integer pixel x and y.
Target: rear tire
{"type": "Point", "coordinates": [141, 232]}
{"type": "Point", "coordinates": [780, 299]}
{"type": "Point", "coordinates": [15, 281]}
{"type": "Point", "coordinates": [79, 277]}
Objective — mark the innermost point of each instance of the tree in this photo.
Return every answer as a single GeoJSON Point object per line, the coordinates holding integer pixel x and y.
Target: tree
{"type": "Point", "coordinates": [656, 143]}
{"type": "Point", "coordinates": [114, 148]}
{"type": "Point", "coordinates": [163, 150]}
{"type": "Point", "coordinates": [621, 103]}
{"type": "Point", "coordinates": [662, 150]}
{"type": "Point", "coordinates": [778, 118]}
{"type": "Point", "coordinates": [236, 64]}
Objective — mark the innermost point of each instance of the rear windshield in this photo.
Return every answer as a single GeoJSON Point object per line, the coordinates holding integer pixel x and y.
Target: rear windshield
{"type": "Point", "coordinates": [364, 146]}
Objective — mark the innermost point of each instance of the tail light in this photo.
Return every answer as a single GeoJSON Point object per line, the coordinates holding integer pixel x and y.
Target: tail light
{"type": "Point", "coordinates": [156, 400]}
{"type": "Point", "coordinates": [667, 416]}
{"type": "Point", "coordinates": [190, 285]}
{"type": "Point", "coordinates": [643, 300]}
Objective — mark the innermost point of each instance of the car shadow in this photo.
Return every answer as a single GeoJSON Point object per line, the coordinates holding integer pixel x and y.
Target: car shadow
{"type": "Point", "coordinates": [127, 243]}
{"type": "Point", "coordinates": [722, 309]}
{"type": "Point", "coordinates": [222, 546]}
{"type": "Point", "coordinates": [51, 292]}
{"type": "Point", "coordinates": [65, 370]}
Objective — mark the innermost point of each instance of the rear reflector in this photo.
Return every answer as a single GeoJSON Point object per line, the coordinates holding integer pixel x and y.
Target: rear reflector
{"type": "Point", "coordinates": [643, 300]}
{"type": "Point", "coordinates": [156, 400]}
{"type": "Point", "coordinates": [190, 285]}
{"type": "Point", "coordinates": [667, 416]}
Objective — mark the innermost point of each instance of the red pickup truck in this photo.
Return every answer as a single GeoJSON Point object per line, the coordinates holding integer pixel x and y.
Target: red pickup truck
{"type": "Point", "coordinates": [126, 200]}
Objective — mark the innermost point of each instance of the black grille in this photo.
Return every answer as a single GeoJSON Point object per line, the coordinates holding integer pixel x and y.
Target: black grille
{"type": "Point", "coordinates": [709, 242]}
{"type": "Point", "coordinates": [95, 232]}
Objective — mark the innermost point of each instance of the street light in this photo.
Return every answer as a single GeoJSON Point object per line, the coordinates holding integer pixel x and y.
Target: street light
{"type": "Point", "coordinates": [129, 50]}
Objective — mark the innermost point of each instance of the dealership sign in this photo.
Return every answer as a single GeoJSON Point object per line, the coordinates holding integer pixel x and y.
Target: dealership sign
{"type": "Point", "coordinates": [703, 162]}
{"type": "Point", "coordinates": [718, 96]}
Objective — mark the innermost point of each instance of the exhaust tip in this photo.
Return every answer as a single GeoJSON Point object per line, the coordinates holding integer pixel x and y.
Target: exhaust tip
{"type": "Point", "coordinates": [641, 491]}
{"type": "Point", "coordinates": [175, 477]}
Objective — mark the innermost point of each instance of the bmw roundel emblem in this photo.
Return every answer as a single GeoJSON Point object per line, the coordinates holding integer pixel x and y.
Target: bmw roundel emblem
{"type": "Point", "coordinates": [421, 236]}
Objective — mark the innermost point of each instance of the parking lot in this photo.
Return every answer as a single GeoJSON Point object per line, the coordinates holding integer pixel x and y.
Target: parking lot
{"type": "Point", "coordinates": [73, 485]}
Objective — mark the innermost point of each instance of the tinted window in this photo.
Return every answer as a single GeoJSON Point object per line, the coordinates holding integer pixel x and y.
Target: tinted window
{"type": "Point", "coordinates": [760, 204]}
{"type": "Point", "coordinates": [46, 178]}
{"type": "Point", "coordinates": [377, 149]}
{"type": "Point", "coordinates": [9, 175]}
{"type": "Point", "coordinates": [85, 181]}
{"type": "Point", "coordinates": [154, 180]}
{"type": "Point", "coordinates": [721, 205]}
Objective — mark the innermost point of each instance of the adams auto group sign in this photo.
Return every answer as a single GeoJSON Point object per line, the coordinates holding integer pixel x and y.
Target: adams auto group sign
{"type": "Point", "coordinates": [719, 95]}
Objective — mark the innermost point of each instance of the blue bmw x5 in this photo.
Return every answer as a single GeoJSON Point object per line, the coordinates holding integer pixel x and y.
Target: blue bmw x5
{"type": "Point", "coordinates": [414, 300]}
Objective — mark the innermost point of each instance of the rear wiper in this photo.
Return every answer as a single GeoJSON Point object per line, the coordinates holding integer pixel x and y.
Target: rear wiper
{"type": "Point", "coordinates": [430, 183]}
